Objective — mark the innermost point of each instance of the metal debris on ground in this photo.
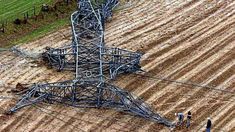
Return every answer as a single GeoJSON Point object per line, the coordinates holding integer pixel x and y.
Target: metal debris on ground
{"type": "Point", "coordinates": [95, 66]}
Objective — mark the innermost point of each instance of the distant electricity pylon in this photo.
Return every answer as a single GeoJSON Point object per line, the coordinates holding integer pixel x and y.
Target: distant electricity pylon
{"type": "Point", "coordinates": [94, 65]}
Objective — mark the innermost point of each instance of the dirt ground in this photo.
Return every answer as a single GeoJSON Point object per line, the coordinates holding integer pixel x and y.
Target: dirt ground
{"type": "Point", "coordinates": [183, 40]}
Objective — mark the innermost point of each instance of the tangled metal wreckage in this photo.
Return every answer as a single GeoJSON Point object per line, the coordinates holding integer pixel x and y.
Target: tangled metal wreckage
{"type": "Point", "coordinates": [94, 64]}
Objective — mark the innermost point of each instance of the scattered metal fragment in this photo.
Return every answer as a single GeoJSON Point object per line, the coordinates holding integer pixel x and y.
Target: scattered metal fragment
{"type": "Point", "coordinates": [94, 65]}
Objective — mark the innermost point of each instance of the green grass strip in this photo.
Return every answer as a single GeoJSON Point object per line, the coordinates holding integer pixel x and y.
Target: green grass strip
{"type": "Point", "coordinates": [11, 9]}
{"type": "Point", "coordinates": [42, 31]}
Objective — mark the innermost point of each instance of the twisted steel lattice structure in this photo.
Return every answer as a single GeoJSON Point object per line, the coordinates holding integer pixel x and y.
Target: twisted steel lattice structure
{"type": "Point", "coordinates": [94, 64]}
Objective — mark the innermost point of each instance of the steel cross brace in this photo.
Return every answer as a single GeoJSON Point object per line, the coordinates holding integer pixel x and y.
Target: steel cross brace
{"type": "Point", "coordinates": [115, 61]}
{"type": "Point", "coordinates": [86, 94]}
{"type": "Point", "coordinates": [93, 64]}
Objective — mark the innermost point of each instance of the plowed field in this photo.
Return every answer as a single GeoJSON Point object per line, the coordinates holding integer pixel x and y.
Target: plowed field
{"type": "Point", "coordinates": [189, 41]}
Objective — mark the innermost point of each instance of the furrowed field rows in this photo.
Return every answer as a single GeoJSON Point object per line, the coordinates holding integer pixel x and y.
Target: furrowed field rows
{"type": "Point", "coordinates": [183, 40]}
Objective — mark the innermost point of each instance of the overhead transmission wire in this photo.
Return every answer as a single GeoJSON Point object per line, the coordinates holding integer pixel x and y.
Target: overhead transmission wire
{"type": "Point", "coordinates": [191, 84]}
{"type": "Point", "coordinates": [187, 83]}
{"type": "Point", "coordinates": [22, 116]}
{"type": "Point", "coordinates": [165, 79]}
{"type": "Point", "coordinates": [170, 80]}
{"type": "Point", "coordinates": [28, 118]}
{"type": "Point", "coordinates": [112, 118]}
{"type": "Point", "coordinates": [122, 126]}
{"type": "Point", "coordinates": [157, 78]}
{"type": "Point", "coordinates": [104, 118]}
{"type": "Point", "coordinates": [91, 114]}
{"type": "Point", "coordinates": [8, 97]}
{"type": "Point", "coordinates": [78, 119]}
{"type": "Point", "coordinates": [141, 127]}
{"type": "Point", "coordinates": [43, 110]}
{"type": "Point", "coordinates": [53, 111]}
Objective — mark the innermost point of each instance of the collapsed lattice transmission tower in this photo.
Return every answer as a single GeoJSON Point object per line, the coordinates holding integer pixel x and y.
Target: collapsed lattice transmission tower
{"type": "Point", "coordinates": [94, 64]}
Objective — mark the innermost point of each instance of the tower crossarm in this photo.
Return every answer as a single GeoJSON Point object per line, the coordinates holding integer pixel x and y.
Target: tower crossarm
{"type": "Point", "coordinates": [80, 93]}
{"type": "Point", "coordinates": [94, 65]}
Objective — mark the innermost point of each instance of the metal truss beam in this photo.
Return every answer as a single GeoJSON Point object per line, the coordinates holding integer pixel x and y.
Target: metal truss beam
{"type": "Point", "coordinates": [94, 65]}
{"type": "Point", "coordinates": [87, 94]}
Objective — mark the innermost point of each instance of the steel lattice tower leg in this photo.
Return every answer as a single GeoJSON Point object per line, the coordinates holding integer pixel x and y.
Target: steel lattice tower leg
{"type": "Point", "coordinates": [94, 65]}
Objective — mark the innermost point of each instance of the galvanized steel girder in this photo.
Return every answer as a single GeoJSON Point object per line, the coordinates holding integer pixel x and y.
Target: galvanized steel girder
{"type": "Point", "coordinates": [94, 65]}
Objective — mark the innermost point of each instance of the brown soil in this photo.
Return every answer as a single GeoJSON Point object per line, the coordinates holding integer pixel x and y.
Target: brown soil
{"type": "Point", "coordinates": [190, 41]}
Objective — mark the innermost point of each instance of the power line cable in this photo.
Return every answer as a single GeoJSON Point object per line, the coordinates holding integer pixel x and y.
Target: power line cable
{"type": "Point", "coordinates": [184, 83]}
{"type": "Point", "coordinates": [105, 118]}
